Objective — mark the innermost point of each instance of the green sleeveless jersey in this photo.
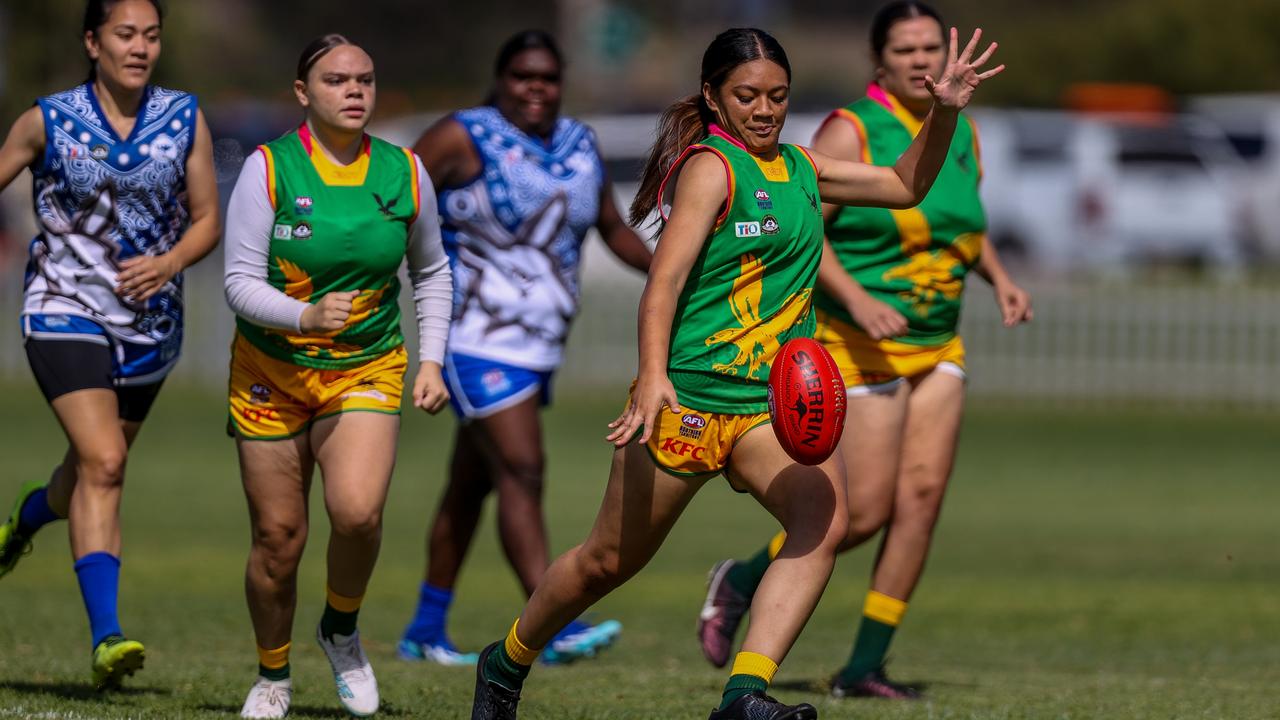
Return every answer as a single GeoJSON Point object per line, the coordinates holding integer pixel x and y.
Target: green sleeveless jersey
{"type": "Point", "coordinates": [338, 228]}
{"type": "Point", "coordinates": [914, 260]}
{"type": "Point", "coordinates": [750, 288]}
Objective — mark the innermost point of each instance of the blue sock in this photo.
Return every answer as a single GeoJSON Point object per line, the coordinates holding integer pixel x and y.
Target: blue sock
{"type": "Point", "coordinates": [99, 575]}
{"type": "Point", "coordinates": [428, 624]}
{"type": "Point", "coordinates": [575, 626]}
{"type": "Point", "coordinates": [35, 513]}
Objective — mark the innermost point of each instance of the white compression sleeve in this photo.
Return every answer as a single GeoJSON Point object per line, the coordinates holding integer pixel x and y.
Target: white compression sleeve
{"type": "Point", "coordinates": [247, 245]}
{"type": "Point", "coordinates": [430, 275]}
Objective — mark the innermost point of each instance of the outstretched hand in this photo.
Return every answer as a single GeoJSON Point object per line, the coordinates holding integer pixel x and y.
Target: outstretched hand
{"type": "Point", "coordinates": [963, 73]}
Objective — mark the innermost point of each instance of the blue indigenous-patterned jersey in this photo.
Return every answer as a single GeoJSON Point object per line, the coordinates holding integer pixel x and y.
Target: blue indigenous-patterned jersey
{"type": "Point", "coordinates": [101, 199]}
{"type": "Point", "coordinates": [514, 237]}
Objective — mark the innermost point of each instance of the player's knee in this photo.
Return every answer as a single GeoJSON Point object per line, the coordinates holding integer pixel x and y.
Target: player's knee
{"type": "Point", "coordinates": [526, 474]}
{"type": "Point", "coordinates": [362, 524]}
{"type": "Point", "coordinates": [921, 503]}
{"type": "Point", "coordinates": [278, 549]}
{"type": "Point", "coordinates": [102, 468]}
{"type": "Point", "coordinates": [601, 570]}
{"type": "Point", "coordinates": [864, 523]}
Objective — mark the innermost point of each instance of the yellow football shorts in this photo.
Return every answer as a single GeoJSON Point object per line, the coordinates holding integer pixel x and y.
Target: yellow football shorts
{"type": "Point", "coordinates": [693, 443]}
{"type": "Point", "coordinates": [868, 365]}
{"type": "Point", "coordinates": [273, 399]}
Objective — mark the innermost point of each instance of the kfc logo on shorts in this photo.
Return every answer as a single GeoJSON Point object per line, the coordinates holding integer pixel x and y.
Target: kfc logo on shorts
{"type": "Point", "coordinates": [259, 393]}
{"type": "Point", "coordinates": [683, 449]}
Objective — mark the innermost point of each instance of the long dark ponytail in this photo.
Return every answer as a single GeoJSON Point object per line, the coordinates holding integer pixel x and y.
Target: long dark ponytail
{"type": "Point", "coordinates": [687, 120]}
{"type": "Point", "coordinates": [96, 13]}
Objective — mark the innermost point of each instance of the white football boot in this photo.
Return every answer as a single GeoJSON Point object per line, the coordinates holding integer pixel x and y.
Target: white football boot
{"type": "Point", "coordinates": [268, 699]}
{"type": "Point", "coordinates": [357, 688]}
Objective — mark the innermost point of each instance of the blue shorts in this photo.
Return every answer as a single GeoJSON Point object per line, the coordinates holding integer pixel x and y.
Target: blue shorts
{"type": "Point", "coordinates": [479, 388]}
{"type": "Point", "coordinates": [131, 363]}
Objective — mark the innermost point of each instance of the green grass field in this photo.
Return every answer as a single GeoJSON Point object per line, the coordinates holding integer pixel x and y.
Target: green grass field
{"type": "Point", "coordinates": [1090, 564]}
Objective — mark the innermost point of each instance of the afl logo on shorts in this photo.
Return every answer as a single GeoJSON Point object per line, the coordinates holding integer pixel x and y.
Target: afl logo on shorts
{"type": "Point", "coordinates": [259, 393]}
{"type": "Point", "coordinates": [691, 426]}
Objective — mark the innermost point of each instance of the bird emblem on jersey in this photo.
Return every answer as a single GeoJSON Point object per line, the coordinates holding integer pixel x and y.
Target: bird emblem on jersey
{"type": "Point", "coordinates": [385, 207]}
{"type": "Point", "coordinates": [813, 199]}
{"type": "Point", "coordinates": [938, 274]}
{"type": "Point", "coordinates": [299, 286]}
{"type": "Point", "coordinates": [756, 337]}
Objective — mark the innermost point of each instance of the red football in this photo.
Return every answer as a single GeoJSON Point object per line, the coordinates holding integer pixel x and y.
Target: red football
{"type": "Point", "coordinates": [806, 401]}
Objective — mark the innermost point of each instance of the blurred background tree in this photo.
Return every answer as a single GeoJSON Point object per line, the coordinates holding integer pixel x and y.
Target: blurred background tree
{"type": "Point", "coordinates": [638, 56]}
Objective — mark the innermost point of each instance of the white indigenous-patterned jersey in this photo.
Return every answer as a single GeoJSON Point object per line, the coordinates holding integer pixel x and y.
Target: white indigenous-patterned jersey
{"type": "Point", "coordinates": [514, 238]}
{"type": "Point", "coordinates": [101, 199]}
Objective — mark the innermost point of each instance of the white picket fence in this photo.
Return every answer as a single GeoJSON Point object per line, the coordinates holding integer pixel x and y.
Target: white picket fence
{"type": "Point", "coordinates": [1192, 344]}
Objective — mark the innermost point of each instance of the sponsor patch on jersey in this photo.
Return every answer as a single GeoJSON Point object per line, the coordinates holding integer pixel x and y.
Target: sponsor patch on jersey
{"type": "Point", "coordinates": [769, 225]}
{"type": "Point", "coordinates": [282, 232]}
{"type": "Point", "coordinates": [302, 205]}
{"type": "Point", "coordinates": [99, 152]}
{"type": "Point", "coordinates": [302, 230]}
{"type": "Point", "coordinates": [748, 229]}
{"type": "Point", "coordinates": [763, 200]}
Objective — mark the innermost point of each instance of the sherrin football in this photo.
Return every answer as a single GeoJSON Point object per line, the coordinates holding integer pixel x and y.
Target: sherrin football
{"type": "Point", "coordinates": [806, 401]}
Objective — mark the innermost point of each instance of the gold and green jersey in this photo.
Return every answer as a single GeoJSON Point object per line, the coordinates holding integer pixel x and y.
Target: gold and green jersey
{"type": "Point", "coordinates": [750, 288]}
{"type": "Point", "coordinates": [915, 260]}
{"type": "Point", "coordinates": [337, 228]}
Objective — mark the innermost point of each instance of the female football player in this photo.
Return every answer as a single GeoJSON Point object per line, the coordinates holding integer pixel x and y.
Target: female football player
{"type": "Point", "coordinates": [125, 200]}
{"type": "Point", "coordinates": [519, 186]}
{"type": "Point", "coordinates": [744, 211]}
{"type": "Point", "coordinates": [319, 223]}
{"type": "Point", "coordinates": [888, 304]}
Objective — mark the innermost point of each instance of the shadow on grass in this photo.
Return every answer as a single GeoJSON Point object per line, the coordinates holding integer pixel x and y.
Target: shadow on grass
{"type": "Point", "coordinates": [79, 691]}
{"type": "Point", "coordinates": [307, 711]}
{"type": "Point", "coordinates": [822, 686]}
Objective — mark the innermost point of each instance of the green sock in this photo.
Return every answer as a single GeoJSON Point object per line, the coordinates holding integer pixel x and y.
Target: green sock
{"type": "Point", "coordinates": [335, 622]}
{"type": "Point", "coordinates": [869, 649]}
{"type": "Point", "coordinates": [745, 576]}
{"type": "Point", "coordinates": [740, 685]}
{"type": "Point", "coordinates": [499, 668]}
{"type": "Point", "coordinates": [280, 673]}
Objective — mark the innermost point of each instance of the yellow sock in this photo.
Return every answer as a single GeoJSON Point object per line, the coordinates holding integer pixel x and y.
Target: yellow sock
{"type": "Point", "coordinates": [884, 609]}
{"type": "Point", "coordinates": [518, 651]}
{"type": "Point", "coordinates": [775, 545]}
{"type": "Point", "coordinates": [342, 603]}
{"type": "Point", "coordinates": [274, 659]}
{"type": "Point", "coordinates": [755, 665]}
{"type": "Point", "coordinates": [274, 664]}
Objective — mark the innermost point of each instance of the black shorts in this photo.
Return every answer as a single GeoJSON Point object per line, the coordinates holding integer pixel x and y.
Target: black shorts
{"type": "Point", "coordinates": [63, 366]}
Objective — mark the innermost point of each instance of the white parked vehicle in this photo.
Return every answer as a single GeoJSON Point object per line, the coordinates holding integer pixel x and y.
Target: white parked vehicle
{"type": "Point", "coordinates": [1099, 192]}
